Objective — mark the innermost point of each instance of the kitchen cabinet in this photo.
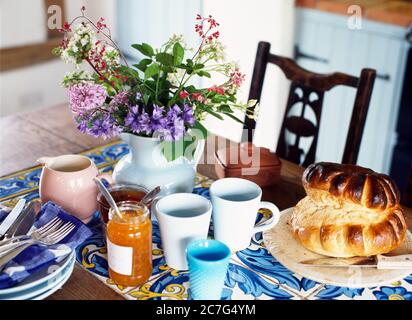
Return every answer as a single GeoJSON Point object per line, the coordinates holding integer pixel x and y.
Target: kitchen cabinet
{"type": "Point", "coordinates": [325, 43]}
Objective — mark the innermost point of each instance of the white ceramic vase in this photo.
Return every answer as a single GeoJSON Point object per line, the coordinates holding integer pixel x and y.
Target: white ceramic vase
{"type": "Point", "coordinates": [147, 166]}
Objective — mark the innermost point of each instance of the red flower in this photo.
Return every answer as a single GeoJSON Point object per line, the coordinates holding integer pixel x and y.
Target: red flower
{"type": "Point", "coordinates": [66, 27]}
{"type": "Point", "coordinates": [237, 78]}
{"type": "Point", "coordinates": [183, 94]}
{"type": "Point", "coordinates": [215, 88]}
{"type": "Point", "coordinates": [199, 28]}
{"type": "Point", "coordinates": [198, 97]}
{"type": "Point", "coordinates": [64, 43]}
{"type": "Point", "coordinates": [100, 25]}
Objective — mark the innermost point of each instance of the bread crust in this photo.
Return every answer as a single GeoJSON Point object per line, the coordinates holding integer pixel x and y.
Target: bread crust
{"type": "Point", "coordinates": [349, 211]}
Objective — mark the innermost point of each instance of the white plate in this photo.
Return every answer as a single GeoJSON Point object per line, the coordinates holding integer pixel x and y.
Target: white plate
{"type": "Point", "coordinates": [58, 286]}
{"type": "Point", "coordinates": [37, 281]}
{"type": "Point", "coordinates": [51, 284]}
{"type": "Point", "coordinates": [288, 251]}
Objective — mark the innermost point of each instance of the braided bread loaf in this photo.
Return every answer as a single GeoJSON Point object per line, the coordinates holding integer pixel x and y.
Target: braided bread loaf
{"type": "Point", "coordinates": [349, 211]}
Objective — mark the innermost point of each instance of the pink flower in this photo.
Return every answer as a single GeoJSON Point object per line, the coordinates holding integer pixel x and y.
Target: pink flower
{"type": "Point", "coordinates": [198, 97]}
{"type": "Point", "coordinates": [84, 97]}
{"type": "Point", "coordinates": [183, 94]}
{"type": "Point", "coordinates": [215, 88]}
{"type": "Point", "coordinates": [237, 78]}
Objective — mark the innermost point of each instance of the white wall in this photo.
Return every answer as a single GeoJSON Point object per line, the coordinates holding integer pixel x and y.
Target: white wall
{"type": "Point", "coordinates": [38, 86]}
{"type": "Point", "coordinates": [243, 25]}
{"type": "Point", "coordinates": [21, 22]}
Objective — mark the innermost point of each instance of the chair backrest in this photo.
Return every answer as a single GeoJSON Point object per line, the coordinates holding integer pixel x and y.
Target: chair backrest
{"type": "Point", "coordinates": [311, 84]}
{"type": "Point", "coordinates": [407, 195]}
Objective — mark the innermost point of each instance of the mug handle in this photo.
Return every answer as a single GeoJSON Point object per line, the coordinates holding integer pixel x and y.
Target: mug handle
{"type": "Point", "coordinates": [106, 176]}
{"type": "Point", "coordinates": [272, 221]}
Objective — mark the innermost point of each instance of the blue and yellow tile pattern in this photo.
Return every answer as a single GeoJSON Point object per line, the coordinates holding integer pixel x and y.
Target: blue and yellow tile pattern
{"type": "Point", "coordinates": [253, 273]}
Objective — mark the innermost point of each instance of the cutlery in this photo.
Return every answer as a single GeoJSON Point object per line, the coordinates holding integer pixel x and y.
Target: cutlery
{"type": "Point", "coordinates": [108, 196]}
{"type": "Point", "coordinates": [25, 221]}
{"type": "Point", "coordinates": [149, 197]}
{"type": "Point", "coordinates": [11, 217]}
{"type": "Point", "coordinates": [380, 262]}
{"type": "Point", "coordinates": [39, 233]}
{"type": "Point", "coordinates": [50, 234]}
{"type": "Point", "coordinates": [23, 224]}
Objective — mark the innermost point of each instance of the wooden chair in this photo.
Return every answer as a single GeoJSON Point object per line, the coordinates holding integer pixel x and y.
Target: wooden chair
{"type": "Point", "coordinates": [310, 82]}
{"type": "Point", "coordinates": [407, 196]}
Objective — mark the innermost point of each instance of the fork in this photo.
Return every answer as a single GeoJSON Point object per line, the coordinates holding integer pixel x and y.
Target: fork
{"type": "Point", "coordinates": [37, 235]}
{"type": "Point", "coordinates": [48, 227]}
{"type": "Point", "coordinates": [47, 238]}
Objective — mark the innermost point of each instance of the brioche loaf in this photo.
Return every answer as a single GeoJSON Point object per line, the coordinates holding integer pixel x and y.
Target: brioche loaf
{"type": "Point", "coordinates": [349, 211]}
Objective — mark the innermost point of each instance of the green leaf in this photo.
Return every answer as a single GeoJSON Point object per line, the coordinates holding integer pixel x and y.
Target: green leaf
{"type": "Point", "coordinates": [165, 58]}
{"type": "Point", "coordinates": [142, 65]}
{"type": "Point", "coordinates": [202, 73]}
{"type": "Point", "coordinates": [172, 150]}
{"type": "Point", "coordinates": [145, 49]}
{"type": "Point", "coordinates": [200, 131]}
{"type": "Point", "coordinates": [218, 98]}
{"type": "Point", "coordinates": [198, 66]}
{"type": "Point", "coordinates": [151, 70]}
{"type": "Point", "coordinates": [146, 98]}
{"type": "Point", "coordinates": [233, 117]}
{"type": "Point", "coordinates": [225, 109]}
{"type": "Point", "coordinates": [214, 114]}
{"type": "Point", "coordinates": [178, 54]}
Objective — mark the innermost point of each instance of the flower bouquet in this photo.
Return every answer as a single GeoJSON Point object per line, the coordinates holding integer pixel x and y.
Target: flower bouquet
{"type": "Point", "coordinates": [155, 97]}
{"type": "Point", "coordinates": [153, 105]}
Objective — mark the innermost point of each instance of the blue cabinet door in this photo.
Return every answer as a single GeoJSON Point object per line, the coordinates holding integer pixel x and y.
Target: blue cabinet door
{"type": "Point", "coordinates": [326, 44]}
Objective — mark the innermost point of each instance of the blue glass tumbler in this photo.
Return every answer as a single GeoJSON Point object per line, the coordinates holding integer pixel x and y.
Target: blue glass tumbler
{"type": "Point", "coordinates": [208, 262]}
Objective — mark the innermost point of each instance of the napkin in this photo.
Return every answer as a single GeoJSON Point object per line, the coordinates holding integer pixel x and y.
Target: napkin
{"type": "Point", "coordinates": [38, 257]}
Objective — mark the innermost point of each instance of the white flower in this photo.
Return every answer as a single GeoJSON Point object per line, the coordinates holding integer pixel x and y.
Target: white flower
{"type": "Point", "coordinates": [67, 58]}
{"type": "Point", "coordinates": [84, 41]}
{"type": "Point", "coordinates": [111, 55]}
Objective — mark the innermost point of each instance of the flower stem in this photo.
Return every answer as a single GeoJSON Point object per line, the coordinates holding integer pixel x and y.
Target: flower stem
{"type": "Point", "coordinates": [98, 72]}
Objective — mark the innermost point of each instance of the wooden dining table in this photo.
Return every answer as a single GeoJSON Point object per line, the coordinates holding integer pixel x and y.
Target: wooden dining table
{"type": "Point", "coordinates": [51, 132]}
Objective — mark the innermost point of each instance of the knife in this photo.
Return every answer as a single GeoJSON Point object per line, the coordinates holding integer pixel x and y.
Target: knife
{"type": "Point", "coordinates": [25, 220]}
{"type": "Point", "coordinates": [11, 217]}
{"type": "Point", "coordinates": [380, 262]}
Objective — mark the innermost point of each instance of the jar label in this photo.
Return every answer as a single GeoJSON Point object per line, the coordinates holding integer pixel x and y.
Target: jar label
{"type": "Point", "coordinates": [120, 258]}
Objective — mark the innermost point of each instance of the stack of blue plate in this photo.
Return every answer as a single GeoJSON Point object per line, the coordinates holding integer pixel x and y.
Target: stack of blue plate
{"type": "Point", "coordinates": [42, 284]}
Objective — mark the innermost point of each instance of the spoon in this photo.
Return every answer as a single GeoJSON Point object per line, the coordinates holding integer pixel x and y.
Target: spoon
{"type": "Point", "coordinates": [149, 197]}
{"type": "Point", "coordinates": [108, 196]}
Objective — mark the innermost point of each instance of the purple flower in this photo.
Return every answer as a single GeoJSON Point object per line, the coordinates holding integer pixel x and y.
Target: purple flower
{"type": "Point", "coordinates": [138, 96]}
{"type": "Point", "coordinates": [104, 127]}
{"type": "Point", "coordinates": [84, 97]}
{"type": "Point", "coordinates": [174, 130]}
{"type": "Point", "coordinates": [138, 122]}
{"type": "Point", "coordinates": [122, 98]}
{"type": "Point", "coordinates": [187, 115]}
{"type": "Point", "coordinates": [158, 121]}
{"type": "Point", "coordinates": [145, 123]}
{"type": "Point", "coordinates": [174, 127]}
{"type": "Point", "coordinates": [82, 126]}
{"type": "Point", "coordinates": [132, 119]}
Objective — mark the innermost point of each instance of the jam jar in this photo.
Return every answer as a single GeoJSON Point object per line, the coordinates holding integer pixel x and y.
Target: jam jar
{"type": "Point", "coordinates": [129, 244]}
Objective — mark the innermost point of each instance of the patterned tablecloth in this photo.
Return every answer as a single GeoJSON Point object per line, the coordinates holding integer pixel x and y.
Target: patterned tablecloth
{"type": "Point", "coordinates": [253, 273]}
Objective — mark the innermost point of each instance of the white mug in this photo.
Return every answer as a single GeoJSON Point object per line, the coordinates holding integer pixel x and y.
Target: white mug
{"type": "Point", "coordinates": [182, 218]}
{"type": "Point", "coordinates": [235, 206]}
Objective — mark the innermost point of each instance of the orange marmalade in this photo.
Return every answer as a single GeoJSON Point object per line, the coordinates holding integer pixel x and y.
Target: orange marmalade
{"type": "Point", "coordinates": [129, 244]}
